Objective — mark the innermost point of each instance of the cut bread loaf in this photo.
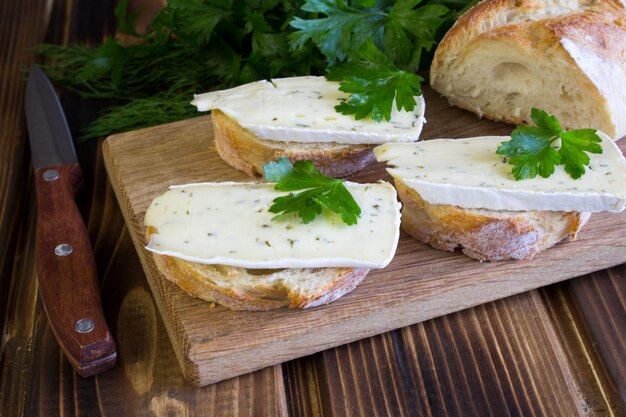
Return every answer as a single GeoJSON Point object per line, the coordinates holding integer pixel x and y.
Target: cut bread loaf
{"type": "Point", "coordinates": [504, 57]}
{"type": "Point", "coordinates": [259, 289]}
{"type": "Point", "coordinates": [487, 235]}
{"type": "Point", "coordinates": [246, 152]}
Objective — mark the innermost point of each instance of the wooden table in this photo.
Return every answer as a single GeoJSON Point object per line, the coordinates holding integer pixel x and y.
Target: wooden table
{"type": "Point", "coordinates": [557, 351]}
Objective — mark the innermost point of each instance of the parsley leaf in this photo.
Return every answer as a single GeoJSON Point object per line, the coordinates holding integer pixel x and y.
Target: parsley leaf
{"type": "Point", "coordinates": [275, 171]}
{"type": "Point", "coordinates": [319, 191]}
{"type": "Point", "coordinates": [530, 152]}
{"type": "Point", "coordinates": [533, 150]}
{"type": "Point", "coordinates": [375, 82]}
{"type": "Point", "coordinates": [404, 20]}
{"type": "Point", "coordinates": [344, 29]}
{"type": "Point", "coordinates": [545, 121]}
{"type": "Point", "coordinates": [574, 144]}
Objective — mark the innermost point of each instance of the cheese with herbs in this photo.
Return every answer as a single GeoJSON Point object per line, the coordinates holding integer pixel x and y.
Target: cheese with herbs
{"type": "Point", "coordinates": [468, 173]}
{"type": "Point", "coordinates": [302, 109]}
{"type": "Point", "coordinates": [229, 223]}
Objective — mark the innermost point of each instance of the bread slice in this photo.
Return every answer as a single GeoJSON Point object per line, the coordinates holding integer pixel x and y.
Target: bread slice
{"type": "Point", "coordinates": [486, 235]}
{"type": "Point", "coordinates": [246, 152]}
{"type": "Point", "coordinates": [259, 289]}
{"type": "Point", "coordinates": [504, 57]}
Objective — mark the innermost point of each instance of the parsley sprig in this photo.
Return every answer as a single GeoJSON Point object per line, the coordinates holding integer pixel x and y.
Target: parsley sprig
{"type": "Point", "coordinates": [537, 150]}
{"type": "Point", "coordinates": [374, 48]}
{"type": "Point", "coordinates": [319, 191]}
{"type": "Point", "coordinates": [375, 83]}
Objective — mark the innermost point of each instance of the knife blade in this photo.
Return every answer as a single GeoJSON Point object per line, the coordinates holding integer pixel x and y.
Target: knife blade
{"type": "Point", "coordinates": [65, 264]}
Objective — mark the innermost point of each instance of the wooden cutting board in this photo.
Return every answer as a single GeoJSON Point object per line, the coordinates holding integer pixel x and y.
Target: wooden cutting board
{"type": "Point", "coordinates": [213, 343]}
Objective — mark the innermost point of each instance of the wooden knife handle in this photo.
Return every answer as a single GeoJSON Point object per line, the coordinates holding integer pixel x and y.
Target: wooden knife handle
{"type": "Point", "coordinates": [66, 271]}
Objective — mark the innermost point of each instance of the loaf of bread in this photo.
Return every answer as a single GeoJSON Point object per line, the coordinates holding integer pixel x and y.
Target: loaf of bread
{"type": "Point", "coordinates": [487, 235]}
{"type": "Point", "coordinates": [246, 152]}
{"type": "Point", "coordinates": [504, 57]}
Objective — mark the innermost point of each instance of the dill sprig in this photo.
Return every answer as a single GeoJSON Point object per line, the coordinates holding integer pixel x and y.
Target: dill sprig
{"type": "Point", "coordinates": [194, 46]}
{"type": "Point", "coordinates": [140, 113]}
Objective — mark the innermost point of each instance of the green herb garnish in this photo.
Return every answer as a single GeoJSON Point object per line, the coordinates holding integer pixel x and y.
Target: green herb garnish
{"type": "Point", "coordinates": [375, 82]}
{"type": "Point", "coordinates": [319, 191]}
{"type": "Point", "coordinates": [196, 46]}
{"type": "Point", "coordinates": [191, 46]}
{"type": "Point", "coordinates": [373, 48]}
{"type": "Point", "coordinates": [537, 150]}
{"type": "Point", "coordinates": [401, 29]}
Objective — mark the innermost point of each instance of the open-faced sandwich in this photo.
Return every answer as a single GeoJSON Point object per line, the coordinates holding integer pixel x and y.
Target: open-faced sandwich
{"type": "Point", "coordinates": [462, 192]}
{"type": "Point", "coordinates": [296, 118]}
{"type": "Point", "coordinates": [228, 243]}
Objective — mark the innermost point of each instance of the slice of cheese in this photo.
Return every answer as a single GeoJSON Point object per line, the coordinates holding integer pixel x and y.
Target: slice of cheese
{"type": "Point", "coordinates": [229, 223]}
{"type": "Point", "coordinates": [302, 109]}
{"type": "Point", "coordinates": [468, 173]}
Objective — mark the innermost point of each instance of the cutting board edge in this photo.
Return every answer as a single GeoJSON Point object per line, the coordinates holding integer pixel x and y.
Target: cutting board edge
{"type": "Point", "coordinates": [205, 374]}
{"type": "Point", "coordinates": [201, 371]}
{"type": "Point", "coordinates": [190, 368]}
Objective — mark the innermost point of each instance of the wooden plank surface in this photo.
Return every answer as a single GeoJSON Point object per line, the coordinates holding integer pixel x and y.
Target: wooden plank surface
{"type": "Point", "coordinates": [421, 283]}
{"type": "Point", "coordinates": [587, 328]}
{"type": "Point", "coordinates": [13, 164]}
{"type": "Point", "coordinates": [601, 305]}
{"type": "Point", "coordinates": [506, 358]}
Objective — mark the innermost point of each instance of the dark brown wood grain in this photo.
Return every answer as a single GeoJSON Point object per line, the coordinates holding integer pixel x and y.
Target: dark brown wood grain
{"type": "Point", "coordinates": [500, 359]}
{"type": "Point", "coordinates": [601, 305]}
{"type": "Point", "coordinates": [554, 352]}
{"type": "Point", "coordinates": [68, 282]}
{"type": "Point", "coordinates": [22, 24]}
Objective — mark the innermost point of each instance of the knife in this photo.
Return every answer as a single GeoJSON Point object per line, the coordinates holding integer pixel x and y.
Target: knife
{"type": "Point", "coordinates": [65, 264]}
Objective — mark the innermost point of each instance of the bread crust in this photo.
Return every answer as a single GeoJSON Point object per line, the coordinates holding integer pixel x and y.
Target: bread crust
{"type": "Point", "coordinates": [566, 52]}
{"type": "Point", "coordinates": [486, 235]}
{"type": "Point", "coordinates": [239, 289]}
{"type": "Point", "coordinates": [243, 289]}
{"type": "Point", "coordinates": [244, 151]}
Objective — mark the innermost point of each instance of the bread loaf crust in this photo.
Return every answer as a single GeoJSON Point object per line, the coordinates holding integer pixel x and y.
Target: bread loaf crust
{"type": "Point", "coordinates": [244, 151]}
{"type": "Point", "coordinates": [485, 234]}
{"type": "Point", "coordinates": [569, 57]}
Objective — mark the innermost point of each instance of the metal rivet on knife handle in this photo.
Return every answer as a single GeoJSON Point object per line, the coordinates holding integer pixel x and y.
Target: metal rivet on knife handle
{"type": "Point", "coordinates": [63, 249]}
{"type": "Point", "coordinates": [51, 175]}
{"type": "Point", "coordinates": [84, 325]}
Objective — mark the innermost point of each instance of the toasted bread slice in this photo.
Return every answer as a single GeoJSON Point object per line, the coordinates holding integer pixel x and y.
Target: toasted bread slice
{"type": "Point", "coordinates": [246, 152]}
{"type": "Point", "coordinates": [487, 235]}
{"type": "Point", "coordinates": [259, 289]}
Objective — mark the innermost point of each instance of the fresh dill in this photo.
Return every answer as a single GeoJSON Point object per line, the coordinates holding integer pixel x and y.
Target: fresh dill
{"type": "Point", "coordinates": [194, 46]}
